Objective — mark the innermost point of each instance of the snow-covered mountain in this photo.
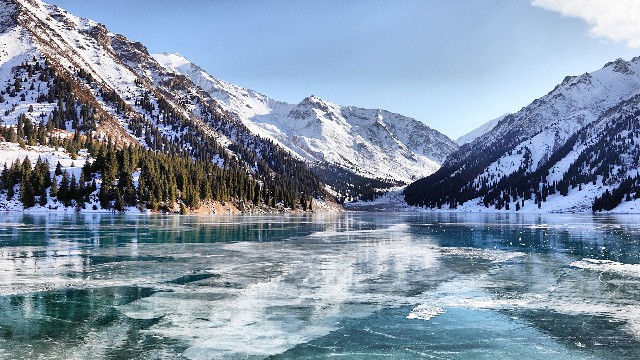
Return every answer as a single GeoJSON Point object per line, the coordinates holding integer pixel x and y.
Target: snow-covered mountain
{"type": "Point", "coordinates": [479, 131]}
{"type": "Point", "coordinates": [372, 143]}
{"type": "Point", "coordinates": [86, 53]}
{"type": "Point", "coordinates": [544, 156]}
{"type": "Point", "coordinates": [74, 75]}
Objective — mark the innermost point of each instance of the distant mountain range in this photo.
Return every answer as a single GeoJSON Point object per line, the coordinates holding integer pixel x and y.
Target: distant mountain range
{"type": "Point", "coordinates": [372, 144]}
{"type": "Point", "coordinates": [479, 131]}
{"type": "Point", "coordinates": [574, 149]}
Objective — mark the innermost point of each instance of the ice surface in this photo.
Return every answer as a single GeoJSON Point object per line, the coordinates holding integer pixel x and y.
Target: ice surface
{"type": "Point", "coordinates": [298, 280]}
{"type": "Point", "coordinates": [608, 266]}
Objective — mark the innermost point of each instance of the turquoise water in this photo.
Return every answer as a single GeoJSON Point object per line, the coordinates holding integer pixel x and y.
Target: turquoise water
{"type": "Point", "coordinates": [354, 286]}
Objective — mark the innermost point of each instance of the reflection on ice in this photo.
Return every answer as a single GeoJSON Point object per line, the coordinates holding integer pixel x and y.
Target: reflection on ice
{"type": "Point", "coordinates": [284, 294]}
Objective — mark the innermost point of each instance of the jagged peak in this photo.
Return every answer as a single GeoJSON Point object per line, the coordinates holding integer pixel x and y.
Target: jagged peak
{"type": "Point", "coordinates": [134, 44]}
{"type": "Point", "coordinates": [318, 102]}
{"type": "Point", "coordinates": [312, 99]}
{"type": "Point", "coordinates": [622, 66]}
{"type": "Point", "coordinates": [615, 62]}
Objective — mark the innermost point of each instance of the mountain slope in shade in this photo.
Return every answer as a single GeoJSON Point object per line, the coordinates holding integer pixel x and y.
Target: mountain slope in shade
{"type": "Point", "coordinates": [371, 143]}
{"type": "Point", "coordinates": [479, 131]}
{"type": "Point", "coordinates": [534, 155]}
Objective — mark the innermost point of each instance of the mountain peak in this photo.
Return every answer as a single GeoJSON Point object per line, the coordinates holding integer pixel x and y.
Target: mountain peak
{"type": "Point", "coordinates": [176, 56]}
{"type": "Point", "coordinates": [171, 61]}
{"type": "Point", "coordinates": [313, 106]}
{"type": "Point", "coordinates": [314, 100]}
{"type": "Point", "coordinates": [621, 66]}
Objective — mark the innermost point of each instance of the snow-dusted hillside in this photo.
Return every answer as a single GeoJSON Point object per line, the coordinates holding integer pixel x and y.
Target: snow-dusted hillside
{"type": "Point", "coordinates": [34, 31]}
{"type": "Point", "coordinates": [371, 143]}
{"type": "Point", "coordinates": [72, 165]}
{"type": "Point", "coordinates": [559, 153]}
{"type": "Point", "coordinates": [547, 123]}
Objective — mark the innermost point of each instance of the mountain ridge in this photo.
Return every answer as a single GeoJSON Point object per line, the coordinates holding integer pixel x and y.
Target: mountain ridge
{"type": "Point", "coordinates": [499, 164]}
{"type": "Point", "coordinates": [479, 131]}
{"type": "Point", "coordinates": [286, 124]}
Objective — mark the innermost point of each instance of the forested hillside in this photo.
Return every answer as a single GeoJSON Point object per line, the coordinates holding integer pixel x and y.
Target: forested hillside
{"type": "Point", "coordinates": [69, 83]}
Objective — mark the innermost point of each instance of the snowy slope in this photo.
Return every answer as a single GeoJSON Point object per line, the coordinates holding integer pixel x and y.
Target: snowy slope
{"type": "Point", "coordinates": [40, 31]}
{"type": "Point", "coordinates": [479, 131]}
{"type": "Point", "coordinates": [371, 143]}
{"type": "Point", "coordinates": [576, 102]}
{"type": "Point", "coordinates": [602, 156]}
{"type": "Point", "coordinates": [543, 151]}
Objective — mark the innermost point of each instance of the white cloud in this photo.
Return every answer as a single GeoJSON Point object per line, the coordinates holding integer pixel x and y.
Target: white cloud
{"type": "Point", "coordinates": [618, 20]}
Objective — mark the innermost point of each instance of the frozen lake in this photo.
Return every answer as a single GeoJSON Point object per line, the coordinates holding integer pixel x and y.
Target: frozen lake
{"type": "Point", "coordinates": [354, 285]}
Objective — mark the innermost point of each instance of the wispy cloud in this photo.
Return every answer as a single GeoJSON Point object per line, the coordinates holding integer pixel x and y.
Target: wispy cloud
{"type": "Point", "coordinates": [618, 20]}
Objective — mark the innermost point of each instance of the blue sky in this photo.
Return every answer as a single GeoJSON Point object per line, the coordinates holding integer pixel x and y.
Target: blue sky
{"type": "Point", "coordinates": [451, 64]}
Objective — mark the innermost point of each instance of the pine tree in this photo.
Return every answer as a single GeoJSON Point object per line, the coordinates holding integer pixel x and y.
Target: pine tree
{"type": "Point", "coordinates": [53, 190]}
{"type": "Point", "coordinates": [119, 202]}
{"type": "Point", "coordinates": [73, 190]}
{"type": "Point", "coordinates": [63, 191]}
{"type": "Point", "coordinates": [43, 199]}
{"type": "Point", "coordinates": [86, 172]}
{"type": "Point", "coordinates": [103, 196]}
{"type": "Point", "coordinates": [4, 177]}
{"type": "Point", "coordinates": [10, 193]}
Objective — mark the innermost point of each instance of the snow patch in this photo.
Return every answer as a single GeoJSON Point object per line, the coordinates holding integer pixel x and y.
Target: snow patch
{"type": "Point", "coordinates": [608, 266]}
{"type": "Point", "coordinates": [425, 312]}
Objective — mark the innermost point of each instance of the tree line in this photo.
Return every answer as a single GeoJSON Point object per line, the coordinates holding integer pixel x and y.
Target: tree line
{"type": "Point", "coordinates": [609, 150]}
{"type": "Point", "coordinates": [186, 167]}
